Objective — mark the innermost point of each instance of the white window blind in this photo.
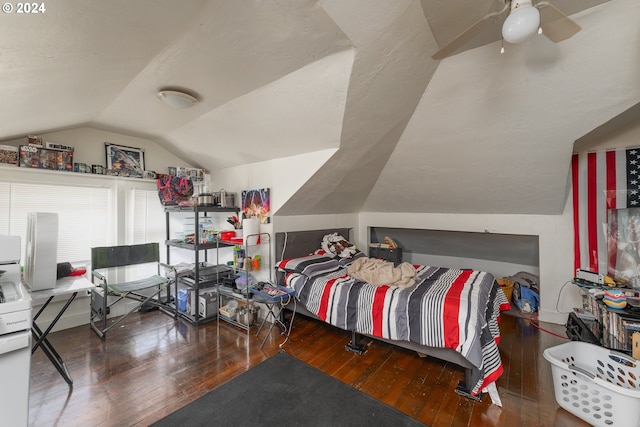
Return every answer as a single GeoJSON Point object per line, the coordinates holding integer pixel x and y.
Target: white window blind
{"type": "Point", "coordinates": [83, 215]}
{"type": "Point", "coordinates": [148, 224]}
{"type": "Point", "coordinates": [5, 199]}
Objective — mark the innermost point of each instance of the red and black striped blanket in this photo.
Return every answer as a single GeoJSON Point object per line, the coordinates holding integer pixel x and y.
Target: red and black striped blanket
{"type": "Point", "coordinates": [446, 308]}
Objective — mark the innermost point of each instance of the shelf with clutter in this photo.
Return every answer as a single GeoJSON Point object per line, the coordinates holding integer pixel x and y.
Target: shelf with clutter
{"type": "Point", "coordinates": [250, 261]}
{"type": "Point", "coordinates": [610, 313]}
{"type": "Point", "coordinates": [609, 284]}
{"type": "Point", "coordinates": [196, 291]}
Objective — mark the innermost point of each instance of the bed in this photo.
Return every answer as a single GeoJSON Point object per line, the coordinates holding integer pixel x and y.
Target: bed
{"type": "Point", "coordinates": [448, 314]}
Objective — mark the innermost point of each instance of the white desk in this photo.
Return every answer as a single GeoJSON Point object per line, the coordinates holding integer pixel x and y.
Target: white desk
{"type": "Point", "coordinates": [65, 286]}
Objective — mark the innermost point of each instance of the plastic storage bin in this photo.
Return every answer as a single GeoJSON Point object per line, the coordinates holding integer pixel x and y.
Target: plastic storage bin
{"type": "Point", "coordinates": [598, 385]}
{"type": "Point", "coordinates": [182, 299]}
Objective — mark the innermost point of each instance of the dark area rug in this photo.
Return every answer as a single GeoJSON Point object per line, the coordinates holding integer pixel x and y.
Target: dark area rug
{"type": "Point", "coordinates": [283, 391]}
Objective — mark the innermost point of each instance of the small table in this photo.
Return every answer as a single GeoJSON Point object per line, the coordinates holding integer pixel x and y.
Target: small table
{"type": "Point", "coordinates": [65, 286]}
{"type": "Point", "coordinates": [271, 302]}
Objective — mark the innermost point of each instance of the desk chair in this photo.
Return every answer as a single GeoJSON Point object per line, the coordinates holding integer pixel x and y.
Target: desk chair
{"type": "Point", "coordinates": [108, 258]}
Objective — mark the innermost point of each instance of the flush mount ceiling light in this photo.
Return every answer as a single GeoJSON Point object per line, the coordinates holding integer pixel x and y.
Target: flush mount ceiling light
{"type": "Point", "coordinates": [523, 21]}
{"type": "Point", "coordinates": [177, 99]}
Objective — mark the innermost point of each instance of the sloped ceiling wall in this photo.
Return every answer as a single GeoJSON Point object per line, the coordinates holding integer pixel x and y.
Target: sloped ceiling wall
{"type": "Point", "coordinates": [478, 132]}
{"type": "Point", "coordinates": [501, 141]}
{"type": "Point", "coordinates": [390, 72]}
{"type": "Point", "coordinates": [493, 133]}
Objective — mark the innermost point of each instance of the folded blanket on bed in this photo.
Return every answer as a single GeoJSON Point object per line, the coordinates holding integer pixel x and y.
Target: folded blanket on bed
{"type": "Point", "coordinates": [379, 272]}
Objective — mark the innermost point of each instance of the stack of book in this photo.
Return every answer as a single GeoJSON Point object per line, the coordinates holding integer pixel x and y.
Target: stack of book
{"type": "Point", "coordinates": [618, 325]}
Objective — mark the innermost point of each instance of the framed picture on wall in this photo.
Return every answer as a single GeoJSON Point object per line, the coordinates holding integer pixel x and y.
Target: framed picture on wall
{"type": "Point", "coordinates": [124, 161]}
{"type": "Point", "coordinates": [257, 204]}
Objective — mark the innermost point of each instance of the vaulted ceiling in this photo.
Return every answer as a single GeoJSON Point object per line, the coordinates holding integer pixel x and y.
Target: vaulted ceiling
{"type": "Point", "coordinates": [477, 132]}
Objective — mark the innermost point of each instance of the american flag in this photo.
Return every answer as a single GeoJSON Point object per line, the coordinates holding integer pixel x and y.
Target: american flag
{"type": "Point", "coordinates": [601, 181]}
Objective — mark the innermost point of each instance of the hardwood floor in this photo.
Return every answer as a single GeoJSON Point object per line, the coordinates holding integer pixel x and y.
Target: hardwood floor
{"type": "Point", "coordinates": [153, 365]}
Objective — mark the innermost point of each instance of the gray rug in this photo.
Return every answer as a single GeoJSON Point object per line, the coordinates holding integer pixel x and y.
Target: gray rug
{"type": "Point", "coordinates": [283, 391]}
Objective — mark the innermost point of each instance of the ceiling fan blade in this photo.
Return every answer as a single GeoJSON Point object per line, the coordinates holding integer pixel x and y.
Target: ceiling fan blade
{"type": "Point", "coordinates": [556, 25]}
{"type": "Point", "coordinates": [468, 34]}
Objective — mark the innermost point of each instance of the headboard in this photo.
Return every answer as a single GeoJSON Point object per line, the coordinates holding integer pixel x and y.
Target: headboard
{"type": "Point", "coordinates": [292, 244]}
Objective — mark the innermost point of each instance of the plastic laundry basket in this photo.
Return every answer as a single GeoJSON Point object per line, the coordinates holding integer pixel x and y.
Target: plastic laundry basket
{"type": "Point", "coordinates": [598, 385]}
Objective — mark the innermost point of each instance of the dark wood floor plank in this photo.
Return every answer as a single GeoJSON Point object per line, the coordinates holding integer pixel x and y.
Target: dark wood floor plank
{"type": "Point", "coordinates": [435, 389]}
{"type": "Point", "coordinates": [462, 415]}
{"type": "Point", "coordinates": [153, 365]}
{"type": "Point", "coordinates": [449, 406]}
{"type": "Point", "coordinates": [392, 377]}
{"type": "Point", "coordinates": [415, 394]}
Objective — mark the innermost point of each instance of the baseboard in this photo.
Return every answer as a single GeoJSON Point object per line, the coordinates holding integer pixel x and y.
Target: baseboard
{"type": "Point", "coordinates": [76, 315]}
{"type": "Point", "coordinates": [553, 317]}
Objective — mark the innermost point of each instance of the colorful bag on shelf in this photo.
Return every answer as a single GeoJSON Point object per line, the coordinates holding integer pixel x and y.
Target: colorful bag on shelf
{"type": "Point", "coordinates": [174, 190]}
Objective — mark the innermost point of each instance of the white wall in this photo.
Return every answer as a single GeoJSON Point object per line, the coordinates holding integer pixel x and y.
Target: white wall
{"type": "Point", "coordinates": [285, 176]}
{"type": "Point", "coordinates": [282, 176]}
{"type": "Point", "coordinates": [89, 148]}
{"type": "Point", "coordinates": [555, 234]}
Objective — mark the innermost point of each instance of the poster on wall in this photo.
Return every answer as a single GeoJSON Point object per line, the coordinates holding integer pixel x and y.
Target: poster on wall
{"type": "Point", "coordinates": [256, 204]}
{"type": "Point", "coordinates": [124, 161]}
{"type": "Point", "coordinates": [623, 241]}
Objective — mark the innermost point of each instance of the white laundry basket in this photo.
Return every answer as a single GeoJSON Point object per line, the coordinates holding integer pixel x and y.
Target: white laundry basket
{"type": "Point", "coordinates": [598, 385]}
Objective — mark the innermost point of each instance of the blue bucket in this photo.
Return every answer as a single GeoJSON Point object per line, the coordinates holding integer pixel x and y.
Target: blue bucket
{"type": "Point", "coordinates": [182, 299]}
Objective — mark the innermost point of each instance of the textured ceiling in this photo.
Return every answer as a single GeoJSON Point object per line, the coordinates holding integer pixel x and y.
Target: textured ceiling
{"type": "Point", "coordinates": [475, 132]}
{"type": "Point", "coordinates": [449, 18]}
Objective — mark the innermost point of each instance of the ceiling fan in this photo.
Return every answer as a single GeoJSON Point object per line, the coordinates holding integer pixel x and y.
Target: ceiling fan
{"type": "Point", "coordinates": [522, 19]}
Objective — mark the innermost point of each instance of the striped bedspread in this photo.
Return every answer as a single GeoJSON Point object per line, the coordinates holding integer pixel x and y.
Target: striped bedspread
{"type": "Point", "coordinates": [447, 308]}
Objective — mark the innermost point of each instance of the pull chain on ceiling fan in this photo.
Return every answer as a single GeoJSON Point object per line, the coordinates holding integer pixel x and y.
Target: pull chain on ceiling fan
{"type": "Point", "coordinates": [523, 20]}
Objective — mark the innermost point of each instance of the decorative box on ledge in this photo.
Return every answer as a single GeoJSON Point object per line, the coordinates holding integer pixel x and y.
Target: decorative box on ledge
{"type": "Point", "coordinates": [46, 158]}
{"type": "Point", "coordinates": [8, 155]}
{"type": "Point", "coordinates": [385, 252]}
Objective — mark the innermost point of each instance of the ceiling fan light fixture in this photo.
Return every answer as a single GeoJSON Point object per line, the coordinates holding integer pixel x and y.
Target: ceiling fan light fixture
{"type": "Point", "coordinates": [523, 22]}
{"type": "Point", "coordinates": [177, 99]}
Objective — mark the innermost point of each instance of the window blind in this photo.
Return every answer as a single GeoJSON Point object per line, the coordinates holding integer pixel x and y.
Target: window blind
{"type": "Point", "coordinates": [149, 225]}
{"type": "Point", "coordinates": [83, 215]}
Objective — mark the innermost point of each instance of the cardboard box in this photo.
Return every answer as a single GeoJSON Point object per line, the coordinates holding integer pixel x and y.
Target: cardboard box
{"type": "Point", "coordinates": [230, 313]}
{"type": "Point", "coordinates": [9, 155]}
{"type": "Point", "coordinates": [43, 158]}
{"type": "Point", "coordinates": [29, 156]}
{"type": "Point", "coordinates": [61, 147]}
{"type": "Point", "coordinates": [34, 140]}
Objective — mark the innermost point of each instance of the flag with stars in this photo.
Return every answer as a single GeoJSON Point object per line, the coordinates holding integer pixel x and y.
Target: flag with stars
{"type": "Point", "coordinates": [601, 181]}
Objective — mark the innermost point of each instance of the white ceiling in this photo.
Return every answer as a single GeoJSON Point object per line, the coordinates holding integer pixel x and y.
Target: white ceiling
{"type": "Point", "coordinates": [476, 132]}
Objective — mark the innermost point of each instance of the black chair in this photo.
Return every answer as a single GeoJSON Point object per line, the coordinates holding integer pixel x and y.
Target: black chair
{"type": "Point", "coordinates": [145, 290]}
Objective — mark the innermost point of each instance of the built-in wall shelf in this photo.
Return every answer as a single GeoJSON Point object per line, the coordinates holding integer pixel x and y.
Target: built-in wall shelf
{"type": "Point", "coordinates": [498, 253]}
{"type": "Point", "coordinates": [196, 209]}
{"type": "Point", "coordinates": [42, 173]}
